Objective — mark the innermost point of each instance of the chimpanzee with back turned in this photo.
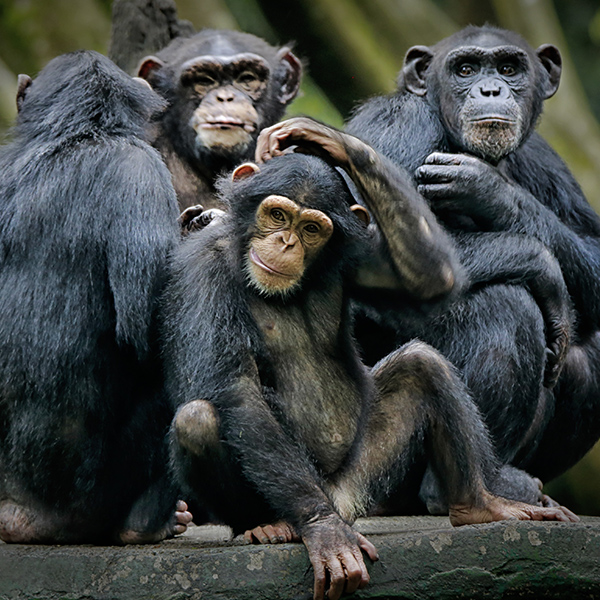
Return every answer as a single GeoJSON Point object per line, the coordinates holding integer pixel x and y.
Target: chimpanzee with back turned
{"type": "Point", "coordinates": [463, 120]}
{"type": "Point", "coordinates": [87, 219]}
{"type": "Point", "coordinates": [223, 87]}
{"type": "Point", "coordinates": [281, 430]}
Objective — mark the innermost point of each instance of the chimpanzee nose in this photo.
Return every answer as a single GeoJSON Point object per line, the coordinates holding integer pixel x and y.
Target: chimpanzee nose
{"type": "Point", "coordinates": [492, 88]}
{"type": "Point", "coordinates": [225, 95]}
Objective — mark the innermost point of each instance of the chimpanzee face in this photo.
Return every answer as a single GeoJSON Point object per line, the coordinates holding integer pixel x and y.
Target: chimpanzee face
{"type": "Point", "coordinates": [224, 93]}
{"type": "Point", "coordinates": [487, 90]}
{"type": "Point", "coordinates": [223, 87]}
{"type": "Point", "coordinates": [487, 102]}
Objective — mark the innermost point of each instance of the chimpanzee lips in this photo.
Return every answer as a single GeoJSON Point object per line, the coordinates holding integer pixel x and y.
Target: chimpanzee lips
{"type": "Point", "coordinates": [259, 263]}
{"type": "Point", "coordinates": [492, 120]}
{"type": "Point", "coordinates": [225, 123]}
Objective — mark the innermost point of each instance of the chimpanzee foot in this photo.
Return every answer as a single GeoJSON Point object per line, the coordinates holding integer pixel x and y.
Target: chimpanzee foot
{"type": "Point", "coordinates": [22, 525]}
{"type": "Point", "coordinates": [544, 499]}
{"type": "Point", "coordinates": [275, 533]}
{"type": "Point", "coordinates": [177, 525]}
{"type": "Point", "coordinates": [496, 508]}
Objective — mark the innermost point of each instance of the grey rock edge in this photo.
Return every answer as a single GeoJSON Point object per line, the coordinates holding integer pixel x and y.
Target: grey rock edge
{"type": "Point", "coordinates": [420, 558]}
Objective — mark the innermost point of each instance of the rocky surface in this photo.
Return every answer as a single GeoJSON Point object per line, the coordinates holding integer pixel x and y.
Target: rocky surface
{"type": "Point", "coordinates": [420, 557]}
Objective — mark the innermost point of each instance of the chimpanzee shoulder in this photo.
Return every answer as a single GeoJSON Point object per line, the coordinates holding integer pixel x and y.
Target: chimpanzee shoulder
{"type": "Point", "coordinates": [376, 122]}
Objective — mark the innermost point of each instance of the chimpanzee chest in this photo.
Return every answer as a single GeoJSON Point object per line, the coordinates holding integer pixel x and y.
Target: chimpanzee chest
{"type": "Point", "coordinates": [316, 393]}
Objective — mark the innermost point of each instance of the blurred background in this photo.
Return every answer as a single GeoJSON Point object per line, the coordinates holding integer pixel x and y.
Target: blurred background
{"type": "Point", "coordinates": [353, 49]}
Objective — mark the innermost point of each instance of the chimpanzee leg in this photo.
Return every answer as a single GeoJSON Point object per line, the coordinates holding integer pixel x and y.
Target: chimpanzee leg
{"type": "Point", "coordinates": [422, 401]}
{"type": "Point", "coordinates": [495, 338]}
{"type": "Point", "coordinates": [156, 515]}
{"type": "Point", "coordinates": [575, 426]}
{"type": "Point", "coordinates": [207, 473]}
{"type": "Point", "coordinates": [23, 523]}
{"type": "Point", "coordinates": [421, 404]}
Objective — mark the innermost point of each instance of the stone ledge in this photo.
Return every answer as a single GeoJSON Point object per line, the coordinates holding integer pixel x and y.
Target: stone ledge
{"type": "Point", "coordinates": [420, 557]}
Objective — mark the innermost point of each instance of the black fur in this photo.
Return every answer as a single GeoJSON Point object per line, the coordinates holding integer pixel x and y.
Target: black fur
{"type": "Point", "coordinates": [283, 374]}
{"type": "Point", "coordinates": [495, 335]}
{"type": "Point", "coordinates": [87, 219]}
{"type": "Point", "coordinates": [195, 166]}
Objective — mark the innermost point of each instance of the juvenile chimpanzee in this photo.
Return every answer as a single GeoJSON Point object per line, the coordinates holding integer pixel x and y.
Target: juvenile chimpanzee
{"type": "Point", "coordinates": [279, 422]}
{"type": "Point", "coordinates": [223, 87]}
{"type": "Point", "coordinates": [463, 118]}
{"type": "Point", "coordinates": [526, 262]}
{"type": "Point", "coordinates": [87, 218]}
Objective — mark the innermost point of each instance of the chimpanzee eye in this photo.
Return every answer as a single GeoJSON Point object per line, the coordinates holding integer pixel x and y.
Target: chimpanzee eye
{"type": "Point", "coordinates": [507, 70]}
{"type": "Point", "coordinates": [204, 81]}
{"type": "Point", "coordinates": [247, 77]}
{"type": "Point", "coordinates": [248, 80]}
{"type": "Point", "coordinates": [277, 215]}
{"type": "Point", "coordinates": [311, 228]}
{"type": "Point", "coordinates": [465, 70]}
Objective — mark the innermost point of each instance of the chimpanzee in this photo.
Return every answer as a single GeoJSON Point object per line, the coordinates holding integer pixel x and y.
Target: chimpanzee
{"type": "Point", "coordinates": [526, 262]}
{"type": "Point", "coordinates": [223, 87]}
{"type": "Point", "coordinates": [279, 422]}
{"type": "Point", "coordinates": [462, 120]}
{"type": "Point", "coordinates": [87, 218]}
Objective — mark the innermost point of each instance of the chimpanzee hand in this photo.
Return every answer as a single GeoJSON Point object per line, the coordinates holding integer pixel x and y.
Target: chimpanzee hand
{"type": "Point", "coordinates": [335, 552]}
{"type": "Point", "coordinates": [195, 218]}
{"type": "Point", "coordinates": [308, 135]}
{"type": "Point", "coordinates": [467, 185]}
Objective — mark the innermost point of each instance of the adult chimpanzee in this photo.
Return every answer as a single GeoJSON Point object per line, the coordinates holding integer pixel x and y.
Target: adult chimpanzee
{"type": "Point", "coordinates": [82, 416]}
{"type": "Point", "coordinates": [463, 118]}
{"type": "Point", "coordinates": [223, 87]}
{"type": "Point", "coordinates": [279, 422]}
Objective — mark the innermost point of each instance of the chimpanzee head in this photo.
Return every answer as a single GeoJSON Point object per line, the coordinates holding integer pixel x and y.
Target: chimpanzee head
{"type": "Point", "coordinates": [296, 220]}
{"type": "Point", "coordinates": [223, 88]}
{"type": "Point", "coordinates": [80, 93]}
{"type": "Point", "coordinates": [487, 86]}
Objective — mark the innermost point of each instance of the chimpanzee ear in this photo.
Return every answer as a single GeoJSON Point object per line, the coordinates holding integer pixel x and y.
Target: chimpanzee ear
{"type": "Point", "coordinates": [149, 66]}
{"type": "Point", "coordinates": [23, 83]}
{"type": "Point", "coordinates": [361, 213]}
{"type": "Point", "coordinates": [291, 67]}
{"type": "Point", "coordinates": [416, 61]}
{"type": "Point", "coordinates": [244, 171]}
{"type": "Point", "coordinates": [143, 82]}
{"type": "Point", "coordinates": [551, 60]}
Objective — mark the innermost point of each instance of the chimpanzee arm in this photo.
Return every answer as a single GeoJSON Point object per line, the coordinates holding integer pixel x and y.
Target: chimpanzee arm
{"type": "Point", "coordinates": [140, 233]}
{"type": "Point", "coordinates": [421, 253]}
{"type": "Point", "coordinates": [282, 472]}
{"type": "Point", "coordinates": [456, 183]}
{"type": "Point", "coordinates": [217, 363]}
{"type": "Point", "coordinates": [522, 260]}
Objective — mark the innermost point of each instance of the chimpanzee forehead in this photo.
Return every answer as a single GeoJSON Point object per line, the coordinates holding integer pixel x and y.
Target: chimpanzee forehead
{"type": "Point", "coordinates": [493, 52]}
{"type": "Point", "coordinates": [225, 44]}
{"type": "Point", "coordinates": [222, 62]}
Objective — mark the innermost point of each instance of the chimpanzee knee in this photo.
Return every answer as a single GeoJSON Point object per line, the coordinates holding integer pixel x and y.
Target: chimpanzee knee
{"type": "Point", "coordinates": [196, 427]}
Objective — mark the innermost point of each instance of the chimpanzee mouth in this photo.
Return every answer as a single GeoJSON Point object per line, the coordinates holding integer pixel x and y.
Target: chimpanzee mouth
{"type": "Point", "coordinates": [228, 123]}
{"type": "Point", "coordinates": [492, 120]}
{"type": "Point", "coordinates": [259, 263]}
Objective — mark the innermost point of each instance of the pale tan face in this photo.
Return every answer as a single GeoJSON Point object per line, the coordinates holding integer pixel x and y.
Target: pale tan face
{"type": "Point", "coordinates": [226, 89]}
{"type": "Point", "coordinates": [288, 239]}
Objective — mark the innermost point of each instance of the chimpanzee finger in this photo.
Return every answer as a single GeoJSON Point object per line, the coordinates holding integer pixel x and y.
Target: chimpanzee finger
{"type": "Point", "coordinates": [355, 569]}
{"type": "Point", "coordinates": [437, 191]}
{"type": "Point", "coordinates": [337, 579]}
{"type": "Point", "coordinates": [365, 545]}
{"type": "Point", "coordinates": [570, 514]}
{"type": "Point", "coordinates": [189, 214]}
{"type": "Point", "coordinates": [266, 143]}
{"type": "Point", "coordinates": [436, 174]}
{"type": "Point", "coordinates": [320, 580]}
{"type": "Point", "coordinates": [443, 158]}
